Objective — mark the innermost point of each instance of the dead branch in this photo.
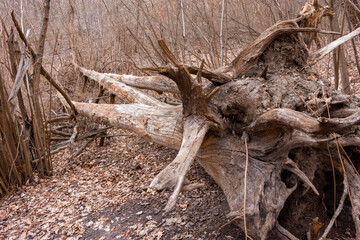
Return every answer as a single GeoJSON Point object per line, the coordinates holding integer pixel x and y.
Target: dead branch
{"type": "Point", "coordinates": [319, 54]}
{"type": "Point", "coordinates": [122, 90]}
{"type": "Point", "coordinates": [285, 232]}
{"type": "Point", "coordinates": [336, 214]}
{"type": "Point", "coordinates": [156, 83]}
{"type": "Point", "coordinates": [157, 124]}
{"type": "Point", "coordinates": [43, 72]}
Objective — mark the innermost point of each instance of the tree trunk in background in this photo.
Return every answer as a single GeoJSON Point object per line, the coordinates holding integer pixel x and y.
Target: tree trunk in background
{"type": "Point", "coordinates": [339, 58]}
{"type": "Point", "coordinates": [354, 13]}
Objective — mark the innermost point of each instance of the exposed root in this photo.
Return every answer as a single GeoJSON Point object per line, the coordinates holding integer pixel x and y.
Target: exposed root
{"type": "Point", "coordinates": [291, 119]}
{"type": "Point", "coordinates": [285, 232]}
{"type": "Point", "coordinates": [337, 212]}
{"type": "Point", "coordinates": [191, 187]}
{"type": "Point", "coordinates": [249, 56]}
{"type": "Point", "coordinates": [209, 129]}
{"type": "Point", "coordinates": [292, 167]}
{"type": "Point", "coordinates": [246, 139]}
{"type": "Point", "coordinates": [174, 173]}
{"type": "Point", "coordinates": [354, 193]}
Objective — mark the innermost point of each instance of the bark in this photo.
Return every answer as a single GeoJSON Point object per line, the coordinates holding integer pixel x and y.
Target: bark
{"type": "Point", "coordinates": [156, 83]}
{"type": "Point", "coordinates": [157, 124]}
{"type": "Point", "coordinates": [287, 148]}
{"type": "Point", "coordinates": [339, 58]}
{"type": "Point", "coordinates": [354, 12]}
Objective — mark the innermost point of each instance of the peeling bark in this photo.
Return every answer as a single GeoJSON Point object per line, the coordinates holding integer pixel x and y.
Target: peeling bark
{"type": "Point", "coordinates": [160, 124]}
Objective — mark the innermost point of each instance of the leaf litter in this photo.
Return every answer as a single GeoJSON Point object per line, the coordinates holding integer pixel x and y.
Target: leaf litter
{"type": "Point", "coordinates": [104, 194]}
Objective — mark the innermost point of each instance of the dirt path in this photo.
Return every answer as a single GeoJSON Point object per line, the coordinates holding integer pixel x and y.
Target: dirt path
{"type": "Point", "coordinates": [103, 195]}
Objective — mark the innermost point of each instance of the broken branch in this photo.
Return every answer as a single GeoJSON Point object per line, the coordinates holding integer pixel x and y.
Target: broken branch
{"type": "Point", "coordinates": [43, 72]}
{"type": "Point", "coordinates": [319, 54]}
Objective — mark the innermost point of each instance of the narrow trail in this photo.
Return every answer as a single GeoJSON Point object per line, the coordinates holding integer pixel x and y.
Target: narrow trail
{"type": "Point", "coordinates": [103, 195]}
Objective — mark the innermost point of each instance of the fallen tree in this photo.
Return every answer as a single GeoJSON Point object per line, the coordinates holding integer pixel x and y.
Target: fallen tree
{"type": "Point", "coordinates": [273, 135]}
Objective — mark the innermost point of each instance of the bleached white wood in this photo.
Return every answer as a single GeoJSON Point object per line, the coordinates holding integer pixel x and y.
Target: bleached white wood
{"type": "Point", "coordinates": [158, 124]}
{"type": "Point", "coordinates": [319, 54]}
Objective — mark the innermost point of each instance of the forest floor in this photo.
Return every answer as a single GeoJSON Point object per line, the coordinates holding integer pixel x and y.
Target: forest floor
{"type": "Point", "coordinates": [103, 194]}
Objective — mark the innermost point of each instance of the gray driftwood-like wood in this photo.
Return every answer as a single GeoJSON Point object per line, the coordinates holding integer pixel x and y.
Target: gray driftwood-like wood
{"type": "Point", "coordinates": [289, 145]}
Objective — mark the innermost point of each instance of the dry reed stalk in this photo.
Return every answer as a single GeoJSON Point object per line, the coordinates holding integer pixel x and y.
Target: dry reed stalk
{"type": "Point", "coordinates": [15, 167]}
{"type": "Point", "coordinates": [21, 142]}
{"type": "Point", "coordinates": [356, 55]}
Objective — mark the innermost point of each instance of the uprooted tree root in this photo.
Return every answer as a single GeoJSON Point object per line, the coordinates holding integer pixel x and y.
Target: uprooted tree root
{"type": "Point", "coordinates": [299, 132]}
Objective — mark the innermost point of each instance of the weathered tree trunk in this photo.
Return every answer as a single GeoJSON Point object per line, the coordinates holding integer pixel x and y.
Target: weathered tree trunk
{"type": "Point", "coordinates": [292, 126]}
{"type": "Point", "coordinates": [339, 58]}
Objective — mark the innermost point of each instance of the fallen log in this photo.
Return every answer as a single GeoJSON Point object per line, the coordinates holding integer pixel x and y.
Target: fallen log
{"type": "Point", "coordinates": [294, 126]}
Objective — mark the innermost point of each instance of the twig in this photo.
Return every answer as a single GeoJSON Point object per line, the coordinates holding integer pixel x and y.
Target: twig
{"type": "Point", "coordinates": [337, 212]}
{"type": "Point", "coordinates": [51, 153]}
{"type": "Point", "coordinates": [42, 69]}
{"type": "Point", "coordinates": [61, 133]}
{"type": "Point", "coordinates": [353, 44]}
{"type": "Point", "coordinates": [346, 179]}
{"type": "Point", "coordinates": [285, 232]}
{"type": "Point", "coordinates": [246, 138]}
{"type": "Point", "coordinates": [334, 176]}
{"type": "Point", "coordinates": [221, 34]}
{"type": "Point", "coordinates": [92, 133]}
{"type": "Point", "coordinates": [329, 32]}
{"type": "Point", "coordinates": [81, 149]}
{"type": "Point", "coordinates": [142, 47]}
{"type": "Point", "coordinates": [73, 136]}
{"type": "Point", "coordinates": [348, 158]}
{"type": "Point", "coordinates": [354, 6]}
{"type": "Point", "coordinates": [224, 225]}
{"type": "Point", "coordinates": [328, 148]}
{"type": "Point", "coordinates": [59, 119]}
